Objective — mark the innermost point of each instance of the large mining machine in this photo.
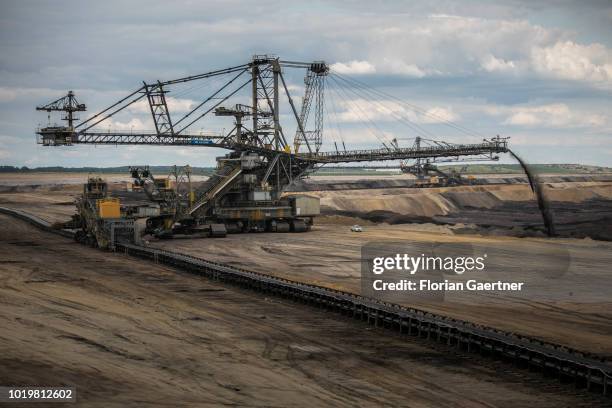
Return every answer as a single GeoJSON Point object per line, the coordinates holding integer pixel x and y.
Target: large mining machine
{"type": "Point", "coordinates": [171, 195]}
{"type": "Point", "coordinates": [99, 220]}
{"type": "Point", "coordinates": [245, 193]}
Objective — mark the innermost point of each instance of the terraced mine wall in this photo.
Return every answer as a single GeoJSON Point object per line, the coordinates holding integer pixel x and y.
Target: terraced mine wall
{"type": "Point", "coordinates": [312, 184]}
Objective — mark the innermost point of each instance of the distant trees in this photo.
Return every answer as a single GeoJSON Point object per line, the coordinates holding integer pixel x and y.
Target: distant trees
{"type": "Point", "coordinates": [161, 171]}
{"type": "Point", "coordinates": [13, 169]}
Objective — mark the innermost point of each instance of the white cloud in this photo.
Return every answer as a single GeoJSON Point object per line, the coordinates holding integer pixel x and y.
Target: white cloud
{"type": "Point", "coordinates": [362, 110]}
{"type": "Point", "coordinates": [522, 118]}
{"type": "Point", "coordinates": [569, 60]}
{"type": "Point", "coordinates": [492, 64]}
{"type": "Point", "coordinates": [134, 124]}
{"type": "Point", "coordinates": [408, 41]}
{"type": "Point", "coordinates": [353, 68]}
{"type": "Point", "coordinates": [458, 45]}
{"type": "Point", "coordinates": [180, 105]}
{"type": "Point", "coordinates": [554, 115]}
{"type": "Point", "coordinates": [295, 89]}
{"type": "Point", "coordinates": [555, 141]}
{"type": "Point", "coordinates": [175, 105]}
{"type": "Point", "coordinates": [451, 44]}
{"type": "Point", "coordinates": [387, 66]}
{"type": "Point", "coordinates": [396, 66]}
{"type": "Point", "coordinates": [438, 115]}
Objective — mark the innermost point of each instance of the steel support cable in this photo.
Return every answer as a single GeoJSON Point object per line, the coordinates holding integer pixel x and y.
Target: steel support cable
{"type": "Point", "coordinates": [420, 130]}
{"type": "Point", "coordinates": [214, 73]}
{"type": "Point", "coordinates": [181, 90]}
{"type": "Point", "coordinates": [339, 120]}
{"type": "Point", "coordinates": [205, 75]}
{"type": "Point", "coordinates": [333, 117]}
{"type": "Point", "coordinates": [214, 82]}
{"type": "Point", "coordinates": [210, 97]}
{"type": "Point", "coordinates": [336, 115]}
{"type": "Point", "coordinates": [412, 126]}
{"type": "Point", "coordinates": [112, 106]}
{"type": "Point", "coordinates": [416, 108]}
{"type": "Point", "coordinates": [50, 104]}
{"type": "Point", "coordinates": [297, 118]}
{"type": "Point", "coordinates": [214, 106]}
{"type": "Point", "coordinates": [335, 122]}
{"type": "Point", "coordinates": [211, 82]}
{"type": "Point", "coordinates": [113, 113]}
{"type": "Point", "coordinates": [342, 99]}
{"type": "Point", "coordinates": [442, 120]}
{"type": "Point", "coordinates": [186, 87]}
{"type": "Point", "coordinates": [329, 115]}
{"type": "Point", "coordinates": [348, 101]}
{"type": "Point", "coordinates": [411, 106]}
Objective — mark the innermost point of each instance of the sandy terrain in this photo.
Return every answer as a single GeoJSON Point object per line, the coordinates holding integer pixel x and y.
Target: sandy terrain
{"type": "Point", "coordinates": [442, 201]}
{"type": "Point", "coordinates": [128, 333]}
{"type": "Point", "coordinates": [330, 255]}
{"type": "Point", "coordinates": [579, 313]}
{"type": "Point", "coordinates": [52, 178]}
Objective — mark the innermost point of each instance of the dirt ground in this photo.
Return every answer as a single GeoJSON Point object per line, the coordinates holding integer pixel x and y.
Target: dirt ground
{"type": "Point", "coordinates": [128, 333]}
{"type": "Point", "coordinates": [578, 312]}
{"type": "Point", "coordinates": [330, 255]}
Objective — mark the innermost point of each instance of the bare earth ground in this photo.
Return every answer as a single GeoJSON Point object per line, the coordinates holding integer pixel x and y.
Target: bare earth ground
{"type": "Point", "coordinates": [131, 333]}
{"type": "Point", "coordinates": [330, 255]}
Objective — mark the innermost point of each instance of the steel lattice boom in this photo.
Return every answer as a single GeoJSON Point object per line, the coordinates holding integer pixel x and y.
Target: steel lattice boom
{"type": "Point", "coordinates": [265, 134]}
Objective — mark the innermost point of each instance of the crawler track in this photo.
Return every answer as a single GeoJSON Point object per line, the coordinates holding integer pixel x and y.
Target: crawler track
{"type": "Point", "coordinates": [569, 366]}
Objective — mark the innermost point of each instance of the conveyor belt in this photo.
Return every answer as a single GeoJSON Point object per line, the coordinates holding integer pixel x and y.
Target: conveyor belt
{"type": "Point", "coordinates": [568, 365]}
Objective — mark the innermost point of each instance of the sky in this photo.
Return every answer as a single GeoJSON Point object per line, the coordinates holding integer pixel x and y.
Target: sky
{"type": "Point", "coordinates": [537, 72]}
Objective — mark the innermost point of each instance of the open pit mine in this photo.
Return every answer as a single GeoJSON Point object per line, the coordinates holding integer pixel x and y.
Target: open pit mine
{"type": "Point", "coordinates": [209, 288]}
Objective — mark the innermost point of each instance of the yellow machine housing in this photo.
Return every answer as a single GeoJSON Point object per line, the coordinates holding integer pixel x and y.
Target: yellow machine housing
{"type": "Point", "coordinates": [109, 208]}
{"type": "Point", "coordinates": [163, 184]}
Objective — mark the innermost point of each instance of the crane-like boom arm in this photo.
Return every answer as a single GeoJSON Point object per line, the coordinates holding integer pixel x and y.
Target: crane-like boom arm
{"type": "Point", "coordinates": [489, 147]}
{"type": "Point", "coordinates": [265, 136]}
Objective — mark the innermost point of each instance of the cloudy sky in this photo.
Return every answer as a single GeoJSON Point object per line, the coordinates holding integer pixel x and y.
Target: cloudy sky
{"type": "Point", "coordinates": [538, 72]}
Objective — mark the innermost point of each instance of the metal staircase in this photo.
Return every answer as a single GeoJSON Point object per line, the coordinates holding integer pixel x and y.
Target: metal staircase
{"type": "Point", "coordinates": [217, 183]}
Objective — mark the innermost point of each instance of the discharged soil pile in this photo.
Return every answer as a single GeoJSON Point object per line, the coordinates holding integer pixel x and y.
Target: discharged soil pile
{"type": "Point", "coordinates": [580, 209]}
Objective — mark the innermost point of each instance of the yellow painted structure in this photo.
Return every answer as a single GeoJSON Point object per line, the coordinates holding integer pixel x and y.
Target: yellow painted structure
{"type": "Point", "coordinates": [109, 208]}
